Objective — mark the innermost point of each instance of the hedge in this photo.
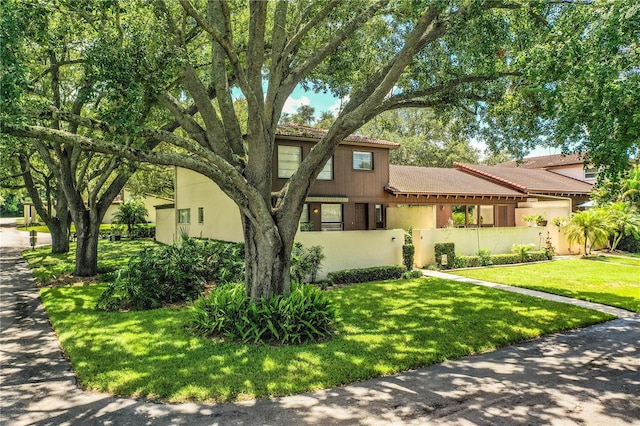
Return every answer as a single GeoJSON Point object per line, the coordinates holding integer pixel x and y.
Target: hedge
{"type": "Point", "coordinates": [503, 259]}
{"type": "Point", "coordinates": [361, 275]}
{"type": "Point", "coordinates": [445, 248]}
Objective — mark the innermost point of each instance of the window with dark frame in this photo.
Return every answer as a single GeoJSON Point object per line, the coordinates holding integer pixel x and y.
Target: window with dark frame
{"type": "Point", "coordinates": [379, 215]}
{"type": "Point", "coordinates": [289, 159]}
{"type": "Point", "coordinates": [327, 171]}
{"type": "Point", "coordinates": [200, 214]}
{"type": "Point", "coordinates": [331, 217]}
{"type": "Point", "coordinates": [362, 160]}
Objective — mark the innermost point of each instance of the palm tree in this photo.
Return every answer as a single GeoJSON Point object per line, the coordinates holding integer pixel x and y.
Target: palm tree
{"type": "Point", "coordinates": [131, 213]}
{"type": "Point", "coordinates": [590, 225]}
{"type": "Point", "coordinates": [631, 187]}
{"type": "Point", "coordinates": [624, 220]}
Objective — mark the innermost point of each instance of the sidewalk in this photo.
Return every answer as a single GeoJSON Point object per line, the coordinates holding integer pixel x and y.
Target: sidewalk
{"type": "Point", "coordinates": [586, 377]}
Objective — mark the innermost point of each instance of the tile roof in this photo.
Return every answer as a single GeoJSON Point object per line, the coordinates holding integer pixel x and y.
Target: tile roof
{"type": "Point", "coordinates": [440, 181]}
{"type": "Point", "coordinates": [546, 161]}
{"type": "Point", "coordinates": [536, 181]}
{"type": "Point", "coordinates": [307, 132]}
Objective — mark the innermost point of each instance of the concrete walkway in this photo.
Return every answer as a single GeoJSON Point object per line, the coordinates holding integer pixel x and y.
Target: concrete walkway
{"type": "Point", "coordinates": [584, 377]}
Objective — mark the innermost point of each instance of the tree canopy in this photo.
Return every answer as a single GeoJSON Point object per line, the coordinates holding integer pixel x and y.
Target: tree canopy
{"type": "Point", "coordinates": [141, 73]}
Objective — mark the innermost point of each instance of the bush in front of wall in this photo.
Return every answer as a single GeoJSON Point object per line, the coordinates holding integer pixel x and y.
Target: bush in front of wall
{"type": "Point", "coordinates": [448, 249]}
{"type": "Point", "coordinates": [306, 315]}
{"type": "Point", "coordinates": [361, 275]}
{"type": "Point", "coordinates": [407, 275]}
{"type": "Point", "coordinates": [408, 249]}
{"type": "Point", "coordinates": [485, 257]}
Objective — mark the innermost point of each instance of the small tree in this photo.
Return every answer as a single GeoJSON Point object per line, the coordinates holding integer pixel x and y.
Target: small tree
{"type": "Point", "coordinates": [131, 214]}
{"type": "Point", "coordinates": [590, 225]}
{"type": "Point", "coordinates": [624, 220]}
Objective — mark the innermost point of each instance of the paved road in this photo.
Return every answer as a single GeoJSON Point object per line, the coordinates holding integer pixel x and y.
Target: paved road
{"type": "Point", "coordinates": [585, 377]}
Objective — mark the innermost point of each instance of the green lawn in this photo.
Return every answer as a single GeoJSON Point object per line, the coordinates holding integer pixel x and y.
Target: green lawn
{"type": "Point", "coordinates": [46, 268]}
{"type": "Point", "coordinates": [622, 260]}
{"type": "Point", "coordinates": [610, 280]}
{"type": "Point", "coordinates": [383, 328]}
{"type": "Point", "coordinates": [104, 227]}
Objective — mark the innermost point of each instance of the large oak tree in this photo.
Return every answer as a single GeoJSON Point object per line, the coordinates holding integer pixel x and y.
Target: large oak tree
{"type": "Point", "coordinates": [143, 64]}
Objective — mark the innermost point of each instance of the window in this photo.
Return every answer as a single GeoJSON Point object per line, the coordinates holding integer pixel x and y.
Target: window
{"type": "Point", "coordinates": [362, 160]}
{"type": "Point", "coordinates": [327, 171]}
{"type": "Point", "coordinates": [289, 158]}
{"type": "Point", "coordinates": [331, 217]}
{"type": "Point", "coordinates": [200, 214]}
{"type": "Point", "coordinates": [379, 214]}
{"type": "Point", "coordinates": [590, 173]}
{"type": "Point", "coordinates": [184, 215]}
{"type": "Point", "coordinates": [305, 221]}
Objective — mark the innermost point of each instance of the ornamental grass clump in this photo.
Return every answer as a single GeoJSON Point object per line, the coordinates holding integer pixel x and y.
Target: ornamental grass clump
{"type": "Point", "coordinates": [306, 315]}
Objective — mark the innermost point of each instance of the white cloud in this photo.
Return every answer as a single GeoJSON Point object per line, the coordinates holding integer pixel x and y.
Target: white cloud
{"type": "Point", "coordinates": [291, 105]}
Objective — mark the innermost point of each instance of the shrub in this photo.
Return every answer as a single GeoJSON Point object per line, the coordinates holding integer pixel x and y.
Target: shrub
{"type": "Point", "coordinates": [408, 252]}
{"type": "Point", "coordinates": [505, 259]}
{"type": "Point", "coordinates": [522, 250]}
{"type": "Point", "coordinates": [538, 256]}
{"type": "Point", "coordinates": [306, 263]}
{"type": "Point", "coordinates": [407, 275]}
{"type": "Point", "coordinates": [445, 248]}
{"type": "Point", "coordinates": [469, 261]}
{"type": "Point", "coordinates": [629, 243]}
{"type": "Point", "coordinates": [485, 257]}
{"type": "Point", "coordinates": [305, 315]}
{"type": "Point", "coordinates": [172, 274]}
{"type": "Point", "coordinates": [376, 273]}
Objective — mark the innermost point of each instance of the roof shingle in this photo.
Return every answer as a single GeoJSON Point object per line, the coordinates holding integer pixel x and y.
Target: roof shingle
{"type": "Point", "coordinates": [306, 132]}
{"type": "Point", "coordinates": [546, 161]}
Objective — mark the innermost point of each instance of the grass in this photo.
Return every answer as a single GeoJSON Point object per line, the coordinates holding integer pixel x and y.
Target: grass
{"type": "Point", "coordinates": [610, 280]}
{"type": "Point", "coordinates": [384, 327]}
{"type": "Point", "coordinates": [104, 227]}
{"type": "Point", "coordinates": [48, 269]}
{"type": "Point", "coordinates": [622, 260]}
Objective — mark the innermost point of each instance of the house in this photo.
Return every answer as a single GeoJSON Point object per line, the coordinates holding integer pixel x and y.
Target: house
{"type": "Point", "coordinates": [571, 165]}
{"type": "Point", "coordinates": [358, 192]}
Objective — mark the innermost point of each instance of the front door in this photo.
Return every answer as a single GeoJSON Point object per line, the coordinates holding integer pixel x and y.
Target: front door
{"type": "Point", "coordinates": [361, 218]}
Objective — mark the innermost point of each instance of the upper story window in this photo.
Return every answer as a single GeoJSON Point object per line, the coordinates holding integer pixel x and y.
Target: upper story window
{"type": "Point", "coordinates": [362, 160]}
{"type": "Point", "coordinates": [590, 172]}
{"type": "Point", "coordinates": [327, 171]}
{"type": "Point", "coordinates": [289, 158]}
{"type": "Point", "coordinates": [184, 215]}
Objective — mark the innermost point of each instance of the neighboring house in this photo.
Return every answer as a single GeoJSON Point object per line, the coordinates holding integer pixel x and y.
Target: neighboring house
{"type": "Point", "coordinates": [359, 191]}
{"type": "Point", "coordinates": [571, 165]}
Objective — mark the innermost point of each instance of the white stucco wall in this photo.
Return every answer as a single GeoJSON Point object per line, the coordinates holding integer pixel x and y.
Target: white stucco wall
{"type": "Point", "coordinates": [165, 225]}
{"type": "Point", "coordinates": [405, 216]}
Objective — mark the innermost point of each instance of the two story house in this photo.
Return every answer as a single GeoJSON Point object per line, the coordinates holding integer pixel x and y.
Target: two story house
{"type": "Point", "coordinates": [359, 191]}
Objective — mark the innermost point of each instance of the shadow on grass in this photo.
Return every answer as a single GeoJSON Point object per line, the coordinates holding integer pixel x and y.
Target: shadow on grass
{"type": "Point", "coordinates": [384, 328]}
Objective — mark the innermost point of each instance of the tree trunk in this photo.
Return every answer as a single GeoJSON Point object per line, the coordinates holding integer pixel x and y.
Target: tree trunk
{"type": "Point", "coordinates": [267, 259]}
{"type": "Point", "coordinates": [59, 236]}
{"type": "Point", "coordinates": [87, 248]}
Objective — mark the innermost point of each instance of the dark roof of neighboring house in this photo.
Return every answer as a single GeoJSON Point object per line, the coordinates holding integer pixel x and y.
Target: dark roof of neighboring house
{"type": "Point", "coordinates": [531, 181]}
{"type": "Point", "coordinates": [440, 181]}
{"type": "Point", "coordinates": [298, 131]}
{"type": "Point", "coordinates": [546, 161]}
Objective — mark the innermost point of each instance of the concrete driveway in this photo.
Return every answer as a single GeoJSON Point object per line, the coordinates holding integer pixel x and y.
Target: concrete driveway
{"type": "Point", "coordinates": [584, 377]}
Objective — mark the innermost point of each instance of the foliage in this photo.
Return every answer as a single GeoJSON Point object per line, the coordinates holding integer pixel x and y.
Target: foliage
{"type": "Point", "coordinates": [172, 274]}
{"type": "Point", "coordinates": [588, 226]}
{"type": "Point", "coordinates": [123, 79]}
{"type": "Point", "coordinates": [306, 315]}
{"type": "Point", "coordinates": [383, 328]}
{"type": "Point", "coordinates": [131, 213]}
{"type": "Point", "coordinates": [411, 274]}
{"type": "Point", "coordinates": [581, 88]}
{"type": "Point", "coordinates": [362, 275]}
{"type": "Point", "coordinates": [610, 283]}
{"type": "Point", "coordinates": [10, 204]}
{"type": "Point", "coordinates": [523, 251]}
{"type": "Point", "coordinates": [425, 140]}
{"type": "Point", "coordinates": [623, 220]}
{"type": "Point", "coordinates": [306, 263]}
{"type": "Point", "coordinates": [408, 253]}
{"type": "Point", "coordinates": [152, 179]}
{"type": "Point", "coordinates": [447, 249]}
{"type": "Point", "coordinates": [630, 244]}
{"type": "Point", "coordinates": [485, 257]}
